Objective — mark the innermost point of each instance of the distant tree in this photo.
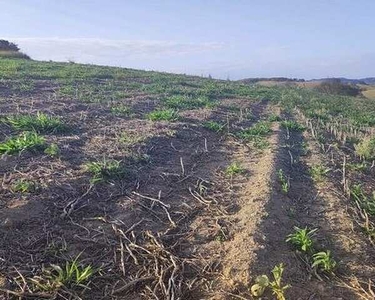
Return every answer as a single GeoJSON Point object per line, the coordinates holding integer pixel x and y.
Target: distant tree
{"type": "Point", "coordinates": [11, 50]}
{"type": "Point", "coordinates": [8, 46]}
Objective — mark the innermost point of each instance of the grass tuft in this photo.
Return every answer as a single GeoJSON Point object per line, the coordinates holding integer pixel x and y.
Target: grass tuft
{"type": "Point", "coordinates": [25, 141]}
{"type": "Point", "coordinates": [163, 115]}
{"type": "Point", "coordinates": [105, 170]}
{"type": "Point", "coordinates": [40, 123]}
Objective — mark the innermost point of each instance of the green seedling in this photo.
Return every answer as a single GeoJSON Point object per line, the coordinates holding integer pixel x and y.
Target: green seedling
{"type": "Point", "coordinates": [105, 170]}
{"type": "Point", "coordinates": [41, 123]}
{"type": "Point", "coordinates": [23, 186]}
{"type": "Point", "coordinates": [285, 185]}
{"type": "Point", "coordinates": [25, 141]}
{"type": "Point", "coordinates": [121, 110]}
{"type": "Point", "coordinates": [277, 288]}
{"type": "Point", "coordinates": [163, 115]}
{"type": "Point", "coordinates": [234, 168]}
{"type": "Point", "coordinates": [318, 172]}
{"type": "Point", "coordinates": [302, 239]}
{"type": "Point", "coordinates": [292, 125]}
{"type": "Point", "coordinates": [214, 126]}
{"type": "Point", "coordinates": [52, 150]}
{"type": "Point", "coordinates": [324, 261]}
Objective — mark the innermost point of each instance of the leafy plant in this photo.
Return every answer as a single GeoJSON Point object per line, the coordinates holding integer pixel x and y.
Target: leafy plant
{"type": "Point", "coordinates": [285, 185]}
{"type": "Point", "coordinates": [292, 125]}
{"type": "Point", "coordinates": [52, 150]}
{"type": "Point", "coordinates": [302, 238]}
{"type": "Point", "coordinates": [324, 261]}
{"type": "Point", "coordinates": [274, 118]}
{"type": "Point", "coordinates": [366, 149]}
{"type": "Point", "coordinates": [121, 110]}
{"type": "Point", "coordinates": [214, 126]}
{"type": "Point", "coordinates": [70, 275]}
{"type": "Point", "coordinates": [318, 172]}
{"type": "Point", "coordinates": [261, 283]}
{"type": "Point", "coordinates": [277, 288]}
{"type": "Point", "coordinates": [40, 123]}
{"type": "Point", "coordinates": [25, 141]}
{"type": "Point", "coordinates": [261, 128]}
{"type": "Point", "coordinates": [234, 168]}
{"type": "Point", "coordinates": [163, 115]}
{"type": "Point", "coordinates": [104, 170]}
{"type": "Point", "coordinates": [23, 186]}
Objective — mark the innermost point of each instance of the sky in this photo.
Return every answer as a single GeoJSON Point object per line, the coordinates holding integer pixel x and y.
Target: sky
{"type": "Point", "coordinates": [226, 39]}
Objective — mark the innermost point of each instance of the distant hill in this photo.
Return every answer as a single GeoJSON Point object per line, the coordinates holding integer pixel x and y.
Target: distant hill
{"type": "Point", "coordinates": [367, 80]}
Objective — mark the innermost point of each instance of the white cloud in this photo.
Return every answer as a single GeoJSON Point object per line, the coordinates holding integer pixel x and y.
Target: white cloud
{"type": "Point", "coordinates": [103, 50]}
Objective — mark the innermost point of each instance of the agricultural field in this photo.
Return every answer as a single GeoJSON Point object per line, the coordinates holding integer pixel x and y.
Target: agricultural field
{"type": "Point", "coordinates": [126, 184]}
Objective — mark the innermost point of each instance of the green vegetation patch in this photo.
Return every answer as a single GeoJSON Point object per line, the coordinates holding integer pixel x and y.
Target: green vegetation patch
{"type": "Point", "coordinates": [41, 123]}
{"type": "Point", "coordinates": [104, 170]}
{"type": "Point", "coordinates": [25, 141]}
{"type": "Point", "coordinates": [292, 125]}
{"type": "Point", "coordinates": [163, 115]}
{"type": "Point", "coordinates": [214, 126]}
{"type": "Point", "coordinates": [366, 149]}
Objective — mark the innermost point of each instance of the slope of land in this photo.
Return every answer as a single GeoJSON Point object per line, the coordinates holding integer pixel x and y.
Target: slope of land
{"type": "Point", "coordinates": [125, 184]}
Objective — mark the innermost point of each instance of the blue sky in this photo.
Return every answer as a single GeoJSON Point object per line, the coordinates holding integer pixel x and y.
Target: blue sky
{"type": "Point", "coordinates": [235, 39]}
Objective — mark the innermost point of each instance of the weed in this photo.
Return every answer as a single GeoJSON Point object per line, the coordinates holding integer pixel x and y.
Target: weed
{"type": "Point", "coordinates": [274, 118]}
{"type": "Point", "coordinates": [285, 185]}
{"type": "Point", "coordinates": [261, 128]}
{"type": "Point", "coordinates": [104, 170]}
{"type": "Point", "coordinates": [324, 261]}
{"type": "Point", "coordinates": [262, 282]}
{"type": "Point", "coordinates": [234, 168]}
{"type": "Point", "coordinates": [318, 172]}
{"type": "Point", "coordinates": [365, 202]}
{"type": "Point", "coordinates": [292, 125]}
{"type": "Point", "coordinates": [302, 238]}
{"type": "Point", "coordinates": [23, 186]}
{"type": "Point", "coordinates": [52, 150]}
{"type": "Point", "coordinates": [163, 115]}
{"type": "Point", "coordinates": [40, 123]}
{"type": "Point", "coordinates": [359, 167]}
{"type": "Point", "coordinates": [25, 141]}
{"type": "Point", "coordinates": [214, 126]}
{"type": "Point", "coordinates": [121, 110]}
{"type": "Point", "coordinates": [276, 286]}
{"type": "Point", "coordinates": [72, 274]}
{"type": "Point", "coordinates": [366, 149]}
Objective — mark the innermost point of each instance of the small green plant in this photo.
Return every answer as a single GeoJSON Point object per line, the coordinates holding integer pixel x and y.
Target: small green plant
{"type": "Point", "coordinates": [324, 261]}
{"type": "Point", "coordinates": [104, 170]}
{"type": "Point", "coordinates": [274, 118]}
{"type": "Point", "coordinates": [234, 168]}
{"type": "Point", "coordinates": [52, 150]}
{"type": "Point", "coordinates": [261, 128]}
{"type": "Point", "coordinates": [71, 275]}
{"type": "Point", "coordinates": [214, 126]}
{"type": "Point", "coordinates": [40, 123]}
{"type": "Point", "coordinates": [318, 172]}
{"type": "Point", "coordinates": [285, 185]}
{"type": "Point", "coordinates": [366, 149]}
{"type": "Point", "coordinates": [292, 125]}
{"type": "Point", "coordinates": [359, 167]}
{"type": "Point", "coordinates": [163, 115]}
{"type": "Point", "coordinates": [263, 282]}
{"type": "Point", "coordinates": [302, 238]}
{"type": "Point", "coordinates": [23, 186]}
{"type": "Point", "coordinates": [277, 288]}
{"type": "Point", "coordinates": [365, 202]}
{"type": "Point", "coordinates": [25, 141]}
{"type": "Point", "coordinates": [121, 110]}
